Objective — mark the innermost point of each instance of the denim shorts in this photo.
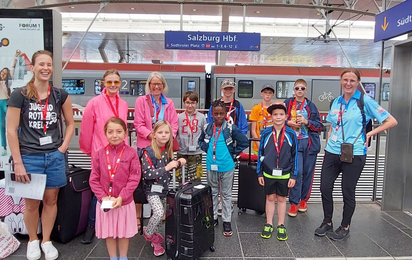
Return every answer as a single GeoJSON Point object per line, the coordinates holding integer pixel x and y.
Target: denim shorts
{"type": "Point", "coordinates": [52, 164]}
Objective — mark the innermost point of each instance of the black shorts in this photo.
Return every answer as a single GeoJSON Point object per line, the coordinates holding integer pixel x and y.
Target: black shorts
{"type": "Point", "coordinates": [276, 186]}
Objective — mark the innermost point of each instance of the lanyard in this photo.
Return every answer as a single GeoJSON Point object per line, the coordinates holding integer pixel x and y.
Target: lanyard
{"type": "Point", "coordinates": [115, 111]}
{"type": "Point", "coordinates": [158, 109]}
{"type": "Point", "coordinates": [278, 146]}
{"type": "Point", "coordinates": [229, 111]}
{"type": "Point", "coordinates": [296, 106]}
{"type": "Point", "coordinates": [109, 167]}
{"type": "Point", "coordinates": [191, 126]}
{"type": "Point", "coordinates": [339, 117]}
{"type": "Point", "coordinates": [265, 116]}
{"type": "Point", "coordinates": [215, 139]}
{"type": "Point", "coordinates": [44, 110]}
{"type": "Point", "coordinates": [148, 157]}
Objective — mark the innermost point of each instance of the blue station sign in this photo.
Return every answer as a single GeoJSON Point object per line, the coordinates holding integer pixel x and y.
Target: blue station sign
{"type": "Point", "coordinates": [212, 41]}
{"type": "Point", "coordinates": [394, 22]}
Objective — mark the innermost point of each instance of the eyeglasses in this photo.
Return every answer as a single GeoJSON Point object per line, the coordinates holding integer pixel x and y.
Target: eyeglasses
{"type": "Point", "coordinates": [156, 84]}
{"type": "Point", "coordinates": [190, 103]}
{"type": "Point", "coordinates": [116, 83]}
{"type": "Point", "coordinates": [301, 88]}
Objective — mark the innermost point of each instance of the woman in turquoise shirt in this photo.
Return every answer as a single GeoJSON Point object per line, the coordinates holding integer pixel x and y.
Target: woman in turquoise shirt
{"type": "Point", "coordinates": [347, 128]}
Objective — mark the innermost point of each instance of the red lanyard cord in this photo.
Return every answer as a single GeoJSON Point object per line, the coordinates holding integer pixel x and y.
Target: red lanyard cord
{"type": "Point", "coordinates": [112, 173]}
{"type": "Point", "coordinates": [339, 117]}
{"type": "Point", "coordinates": [115, 111]}
{"type": "Point", "coordinates": [215, 139]}
{"type": "Point", "coordinates": [44, 110]}
{"type": "Point", "coordinates": [191, 126]}
{"type": "Point", "coordinates": [229, 111]}
{"type": "Point", "coordinates": [278, 146]}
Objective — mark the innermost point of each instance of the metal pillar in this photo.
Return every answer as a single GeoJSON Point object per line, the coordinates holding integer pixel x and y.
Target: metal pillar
{"type": "Point", "coordinates": [221, 56]}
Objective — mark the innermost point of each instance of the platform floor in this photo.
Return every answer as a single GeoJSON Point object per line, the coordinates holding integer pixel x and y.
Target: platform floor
{"type": "Point", "coordinates": [373, 235]}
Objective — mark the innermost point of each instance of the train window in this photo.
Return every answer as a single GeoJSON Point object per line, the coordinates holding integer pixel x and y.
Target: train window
{"type": "Point", "coordinates": [370, 89]}
{"type": "Point", "coordinates": [98, 86]}
{"type": "Point", "coordinates": [385, 92]}
{"type": "Point", "coordinates": [137, 87]}
{"type": "Point", "coordinates": [245, 88]}
{"type": "Point", "coordinates": [73, 86]}
{"type": "Point", "coordinates": [284, 89]}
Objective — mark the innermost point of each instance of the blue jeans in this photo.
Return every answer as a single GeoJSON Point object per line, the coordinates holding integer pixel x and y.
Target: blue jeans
{"type": "Point", "coordinates": [52, 164]}
{"type": "Point", "coordinates": [92, 212]}
{"type": "Point", "coordinates": [307, 163]}
{"type": "Point", "coordinates": [226, 182]}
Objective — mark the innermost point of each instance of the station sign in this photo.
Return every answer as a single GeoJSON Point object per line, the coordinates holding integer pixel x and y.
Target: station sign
{"type": "Point", "coordinates": [394, 21]}
{"type": "Point", "coordinates": [228, 41]}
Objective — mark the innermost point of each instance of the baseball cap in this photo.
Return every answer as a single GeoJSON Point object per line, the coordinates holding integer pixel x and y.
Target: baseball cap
{"type": "Point", "coordinates": [267, 86]}
{"type": "Point", "coordinates": [276, 105]}
{"type": "Point", "coordinates": [228, 83]}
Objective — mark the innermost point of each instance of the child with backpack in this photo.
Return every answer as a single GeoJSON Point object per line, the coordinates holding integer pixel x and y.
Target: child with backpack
{"type": "Point", "coordinates": [156, 166]}
{"type": "Point", "coordinates": [115, 175]}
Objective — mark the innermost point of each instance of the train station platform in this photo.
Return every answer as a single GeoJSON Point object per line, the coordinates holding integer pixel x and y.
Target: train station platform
{"type": "Point", "coordinates": [374, 234]}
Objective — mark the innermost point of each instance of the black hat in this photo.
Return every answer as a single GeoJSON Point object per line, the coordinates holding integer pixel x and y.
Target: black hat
{"type": "Point", "coordinates": [277, 105]}
{"type": "Point", "coordinates": [267, 86]}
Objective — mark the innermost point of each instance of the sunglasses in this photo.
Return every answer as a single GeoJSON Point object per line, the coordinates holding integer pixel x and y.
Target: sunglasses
{"type": "Point", "coordinates": [116, 83]}
{"type": "Point", "coordinates": [301, 88]}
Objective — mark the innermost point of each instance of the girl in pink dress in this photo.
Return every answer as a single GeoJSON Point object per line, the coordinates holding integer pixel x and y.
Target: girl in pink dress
{"type": "Point", "coordinates": [115, 175]}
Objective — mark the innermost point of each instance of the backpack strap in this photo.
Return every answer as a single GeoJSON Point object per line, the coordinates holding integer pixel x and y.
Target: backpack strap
{"type": "Point", "coordinates": [361, 105]}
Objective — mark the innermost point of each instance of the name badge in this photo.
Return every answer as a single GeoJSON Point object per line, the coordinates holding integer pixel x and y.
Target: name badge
{"type": "Point", "coordinates": [192, 148]}
{"type": "Point", "coordinates": [334, 138]}
{"type": "Point", "coordinates": [277, 172]}
{"type": "Point", "coordinates": [214, 167]}
{"type": "Point", "coordinates": [45, 140]}
{"type": "Point", "coordinates": [157, 188]}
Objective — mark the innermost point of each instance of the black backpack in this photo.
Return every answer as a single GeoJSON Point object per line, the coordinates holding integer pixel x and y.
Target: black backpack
{"type": "Point", "coordinates": [367, 127]}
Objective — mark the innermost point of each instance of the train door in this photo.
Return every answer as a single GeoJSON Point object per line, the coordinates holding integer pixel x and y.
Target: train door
{"type": "Point", "coordinates": [323, 92]}
{"type": "Point", "coordinates": [190, 84]}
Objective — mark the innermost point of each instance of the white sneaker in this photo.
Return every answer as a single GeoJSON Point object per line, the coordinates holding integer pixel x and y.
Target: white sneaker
{"type": "Point", "coordinates": [33, 250]}
{"type": "Point", "coordinates": [50, 251]}
{"type": "Point", "coordinates": [219, 208]}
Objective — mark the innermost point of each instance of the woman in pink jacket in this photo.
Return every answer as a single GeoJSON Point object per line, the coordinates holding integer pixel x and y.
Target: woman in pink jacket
{"type": "Point", "coordinates": [163, 108]}
{"type": "Point", "coordinates": [92, 137]}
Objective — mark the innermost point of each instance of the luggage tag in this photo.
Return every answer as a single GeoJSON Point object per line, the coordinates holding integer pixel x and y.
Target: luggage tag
{"type": "Point", "coordinates": [156, 188]}
{"type": "Point", "coordinates": [45, 140]}
{"type": "Point", "coordinates": [277, 172]}
{"type": "Point", "coordinates": [334, 138]}
{"type": "Point", "coordinates": [214, 167]}
{"type": "Point", "coordinates": [192, 148]}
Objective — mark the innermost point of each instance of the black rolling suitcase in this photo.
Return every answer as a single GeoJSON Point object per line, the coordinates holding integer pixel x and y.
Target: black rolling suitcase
{"type": "Point", "coordinates": [189, 220]}
{"type": "Point", "coordinates": [251, 194]}
{"type": "Point", "coordinates": [72, 205]}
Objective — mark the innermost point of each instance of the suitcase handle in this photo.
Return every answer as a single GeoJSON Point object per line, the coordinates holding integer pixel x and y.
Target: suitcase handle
{"type": "Point", "coordinates": [174, 177]}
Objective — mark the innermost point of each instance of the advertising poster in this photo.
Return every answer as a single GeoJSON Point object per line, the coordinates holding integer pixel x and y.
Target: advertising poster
{"type": "Point", "coordinates": [19, 39]}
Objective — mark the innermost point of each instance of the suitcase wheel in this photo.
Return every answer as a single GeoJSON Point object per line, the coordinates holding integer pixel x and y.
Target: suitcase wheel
{"type": "Point", "coordinates": [212, 249]}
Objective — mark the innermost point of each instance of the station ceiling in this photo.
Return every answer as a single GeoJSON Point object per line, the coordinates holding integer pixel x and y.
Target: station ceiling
{"type": "Point", "coordinates": [294, 32]}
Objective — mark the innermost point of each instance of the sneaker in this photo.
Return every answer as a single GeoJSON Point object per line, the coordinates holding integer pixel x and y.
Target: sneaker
{"type": "Point", "coordinates": [216, 222]}
{"type": "Point", "coordinates": [282, 236]}
{"type": "Point", "coordinates": [88, 236]}
{"type": "Point", "coordinates": [267, 231]}
{"type": "Point", "coordinates": [219, 208]}
{"type": "Point", "coordinates": [293, 210]}
{"type": "Point", "coordinates": [158, 250]}
{"type": "Point", "coordinates": [33, 250]}
{"type": "Point", "coordinates": [227, 229]}
{"type": "Point", "coordinates": [50, 252]}
{"type": "Point", "coordinates": [303, 207]}
{"type": "Point", "coordinates": [323, 229]}
{"type": "Point", "coordinates": [339, 234]}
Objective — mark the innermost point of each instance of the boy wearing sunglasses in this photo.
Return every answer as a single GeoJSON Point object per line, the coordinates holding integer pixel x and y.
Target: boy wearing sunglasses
{"type": "Point", "coordinates": [304, 118]}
